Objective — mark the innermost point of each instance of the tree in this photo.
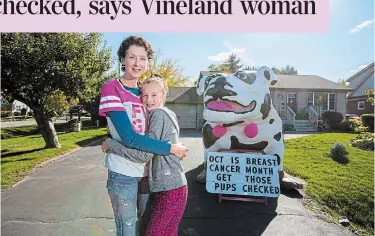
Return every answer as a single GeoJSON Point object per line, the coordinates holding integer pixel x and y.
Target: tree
{"type": "Point", "coordinates": [251, 68]}
{"type": "Point", "coordinates": [57, 103]}
{"type": "Point", "coordinates": [288, 70]}
{"type": "Point", "coordinates": [342, 82]}
{"type": "Point", "coordinates": [370, 96]}
{"type": "Point", "coordinates": [230, 65]}
{"type": "Point", "coordinates": [36, 65]}
{"type": "Point", "coordinates": [168, 69]}
{"type": "Point", "coordinates": [218, 68]}
{"type": "Point", "coordinates": [92, 106]}
{"type": "Point", "coordinates": [233, 63]}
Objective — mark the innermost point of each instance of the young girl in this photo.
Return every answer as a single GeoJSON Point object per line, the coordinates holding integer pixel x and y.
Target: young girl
{"type": "Point", "coordinates": [166, 176]}
{"type": "Point", "coordinates": [126, 117]}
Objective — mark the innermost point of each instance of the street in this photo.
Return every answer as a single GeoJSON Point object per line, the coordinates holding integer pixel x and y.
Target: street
{"type": "Point", "coordinates": [67, 197]}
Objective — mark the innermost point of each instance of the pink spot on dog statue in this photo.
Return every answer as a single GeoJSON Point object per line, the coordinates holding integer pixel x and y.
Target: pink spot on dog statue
{"type": "Point", "coordinates": [251, 130]}
{"type": "Point", "coordinates": [219, 131]}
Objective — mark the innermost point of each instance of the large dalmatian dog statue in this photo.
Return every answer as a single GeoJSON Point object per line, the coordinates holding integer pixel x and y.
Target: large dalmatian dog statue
{"type": "Point", "coordinates": [239, 115]}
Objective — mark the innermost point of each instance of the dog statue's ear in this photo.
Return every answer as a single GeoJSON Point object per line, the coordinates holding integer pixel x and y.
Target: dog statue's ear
{"type": "Point", "coordinates": [201, 85]}
{"type": "Point", "coordinates": [268, 74]}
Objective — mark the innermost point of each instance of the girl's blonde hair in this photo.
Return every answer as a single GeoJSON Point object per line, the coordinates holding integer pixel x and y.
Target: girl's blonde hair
{"type": "Point", "coordinates": [155, 78]}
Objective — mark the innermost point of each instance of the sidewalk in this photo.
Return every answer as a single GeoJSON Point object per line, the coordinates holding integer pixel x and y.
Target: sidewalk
{"type": "Point", "coordinates": [68, 197]}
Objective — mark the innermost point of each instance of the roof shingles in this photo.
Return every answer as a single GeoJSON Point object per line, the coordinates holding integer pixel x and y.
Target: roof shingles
{"type": "Point", "coordinates": [300, 82]}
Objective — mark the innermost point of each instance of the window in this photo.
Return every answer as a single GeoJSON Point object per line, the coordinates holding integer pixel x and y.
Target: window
{"type": "Point", "coordinates": [331, 101]}
{"type": "Point", "coordinates": [292, 95]}
{"type": "Point", "coordinates": [325, 102]}
{"type": "Point", "coordinates": [310, 99]}
{"type": "Point", "coordinates": [361, 105]}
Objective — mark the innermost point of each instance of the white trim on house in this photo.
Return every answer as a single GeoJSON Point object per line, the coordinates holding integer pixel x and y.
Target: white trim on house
{"type": "Point", "coordinates": [313, 99]}
{"type": "Point", "coordinates": [365, 78]}
{"type": "Point", "coordinates": [358, 105]}
{"type": "Point", "coordinates": [334, 102]}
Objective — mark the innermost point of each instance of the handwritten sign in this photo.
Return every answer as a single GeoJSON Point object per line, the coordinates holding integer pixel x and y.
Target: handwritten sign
{"type": "Point", "coordinates": [242, 174]}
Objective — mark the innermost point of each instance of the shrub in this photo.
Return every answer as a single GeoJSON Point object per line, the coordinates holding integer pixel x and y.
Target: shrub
{"type": "Point", "coordinates": [361, 129]}
{"type": "Point", "coordinates": [288, 127]}
{"type": "Point", "coordinates": [364, 141]}
{"type": "Point", "coordinates": [339, 153]}
{"type": "Point", "coordinates": [368, 120]}
{"type": "Point", "coordinates": [353, 124]}
{"type": "Point", "coordinates": [322, 126]}
{"type": "Point", "coordinates": [343, 126]}
{"type": "Point", "coordinates": [302, 116]}
{"type": "Point", "coordinates": [6, 113]}
{"type": "Point", "coordinates": [332, 117]}
{"type": "Point", "coordinates": [349, 126]}
{"type": "Point", "coordinates": [6, 136]}
{"type": "Point", "coordinates": [364, 144]}
{"type": "Point", "coordinates": [365, 135]}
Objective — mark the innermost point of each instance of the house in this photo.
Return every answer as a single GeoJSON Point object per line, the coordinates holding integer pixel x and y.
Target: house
{"type": "Point", "coordinates": [18, 106]}
{"type": "Point", "coordinates": [187, 105]}
{"type": "Point", "coordinates": [291, 95]}
{"type": "Point", "coordinates": [13, 108]}
{"type": "Point", "coordinates": [356, 99]}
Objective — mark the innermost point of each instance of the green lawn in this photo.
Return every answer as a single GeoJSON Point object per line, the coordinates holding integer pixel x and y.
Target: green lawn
{"type": "Point", "coordinates": [346, 190]}
{"type": "Point", "coordinates": [22, 148]}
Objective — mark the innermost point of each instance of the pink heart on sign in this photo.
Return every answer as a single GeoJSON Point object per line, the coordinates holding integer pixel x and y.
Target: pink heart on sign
{"type": "Point", "coordinates": [251, 130]}
{"type": "Point", "coordinates": [219, 131]}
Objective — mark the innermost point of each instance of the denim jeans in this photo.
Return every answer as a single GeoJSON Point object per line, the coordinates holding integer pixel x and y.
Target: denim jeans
{"type": "Point", "coordinates": [123, 192]}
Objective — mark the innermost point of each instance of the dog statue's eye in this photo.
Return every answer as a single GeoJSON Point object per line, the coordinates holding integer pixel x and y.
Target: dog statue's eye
{"type": "Point", "coordinates": [247, 78]}
{"type": "Point", "coordinates": [208, 79]}
{"type": "Point", "coordinates": [251, 78]}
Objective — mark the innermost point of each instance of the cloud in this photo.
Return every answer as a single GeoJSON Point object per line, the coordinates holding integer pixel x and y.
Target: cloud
{"type": "Point", "coordinates": [361, 67]}
{"type": "Point", "coordinates": [240, 52]}
{"type": "Point", "coordinates": [220, 56]}
{"type": "Point", "coordinates": [361, 26]}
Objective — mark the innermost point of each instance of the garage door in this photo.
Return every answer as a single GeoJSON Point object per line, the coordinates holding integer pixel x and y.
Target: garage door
{"type": "Point", "coordinates": [186, 115]}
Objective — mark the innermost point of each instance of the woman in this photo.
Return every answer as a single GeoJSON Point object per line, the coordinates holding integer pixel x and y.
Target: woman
{"type": "Point", "coordinates": [126, 118]}
{"type": "Point", "coordinates": [166, 176]}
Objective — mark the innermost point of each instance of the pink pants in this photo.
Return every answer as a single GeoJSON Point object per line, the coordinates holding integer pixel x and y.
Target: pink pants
{"type": "Point", "coordinates": [166, 212]}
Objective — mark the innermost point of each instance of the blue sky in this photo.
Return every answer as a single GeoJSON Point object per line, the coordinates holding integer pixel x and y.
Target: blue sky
{"type": "Point", "coordinates": [338, 54]}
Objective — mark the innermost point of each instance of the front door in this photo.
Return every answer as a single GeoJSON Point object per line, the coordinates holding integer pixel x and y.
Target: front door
{"type": "Point", "coordinates": [292, 101]}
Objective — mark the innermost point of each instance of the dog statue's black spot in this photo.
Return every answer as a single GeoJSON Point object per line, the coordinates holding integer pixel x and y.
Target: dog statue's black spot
{"type": "Point", "coordinates": [278, 159]}
{"type": "Point", "coordinates": [271, 121]}
{"type": "Point", "coordinates": [266, 106]}
{"type": "Point", "coordinates": [277, 136]}
{"type": "Point", "coordinates": [208, 138]}
{"type": "Point", "coordinates": [273, 82]}
{"type": "Point", "coordinates": [235, 144]}
{"type": "Point", "coordinates": [267, 74]}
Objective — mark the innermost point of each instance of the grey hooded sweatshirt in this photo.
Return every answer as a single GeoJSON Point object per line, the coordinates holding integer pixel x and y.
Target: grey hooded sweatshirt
{"type": "Point", "coordinates": [165, 172]}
